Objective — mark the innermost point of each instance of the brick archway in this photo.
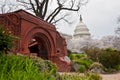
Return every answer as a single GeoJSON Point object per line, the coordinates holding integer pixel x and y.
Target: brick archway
{"type": "Point", "coordinates": [37, 37]}
{"type": "Point", "coordinates": [38, 46]}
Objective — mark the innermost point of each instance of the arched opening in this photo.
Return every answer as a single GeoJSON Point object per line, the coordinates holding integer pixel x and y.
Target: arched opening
{"type": "Point", "coordinates": [39, 46]}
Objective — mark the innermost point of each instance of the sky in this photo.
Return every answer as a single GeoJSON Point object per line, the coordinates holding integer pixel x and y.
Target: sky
{"type": "Point", "coordinates": [100, 16]}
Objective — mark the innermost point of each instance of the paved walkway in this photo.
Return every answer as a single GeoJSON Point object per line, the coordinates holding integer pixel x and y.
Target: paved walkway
{"type": "Point", "coordinates": [115, 76]}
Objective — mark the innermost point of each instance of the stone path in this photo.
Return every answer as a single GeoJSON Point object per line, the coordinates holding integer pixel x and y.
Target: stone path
{"type": "Point", "coordinates": [115, 76]}
{"type": "Point", "coordinates": [111, 76]}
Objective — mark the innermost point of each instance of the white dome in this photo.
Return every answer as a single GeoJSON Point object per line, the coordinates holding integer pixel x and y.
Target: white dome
{"type": "Point", "coordinates": [81, 30]}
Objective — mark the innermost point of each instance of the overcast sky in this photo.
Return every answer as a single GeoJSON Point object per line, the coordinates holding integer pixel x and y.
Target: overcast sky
{"type": "Point", "coordinates": [100, 16]}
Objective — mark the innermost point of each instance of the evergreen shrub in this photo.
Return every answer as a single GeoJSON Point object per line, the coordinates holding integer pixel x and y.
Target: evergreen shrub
{"type": "Point", "coordinates": [93, 53]}
{"type": "Point", "coordinates": [6, 39]}
{"type": "Point", "coordinates": [97, 67]}
{"type": "Point", "coordinates": [110, 58]}
{"type": "Point", "coordinates": [82, 68]}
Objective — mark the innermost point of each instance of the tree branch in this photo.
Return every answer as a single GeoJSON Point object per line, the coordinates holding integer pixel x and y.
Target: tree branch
{"type": "Point", "coordinates": [70, 9]}
{"type": "Point", "coordinates": [52, 13]}
{"type": "Point", "coordinates": [45, 9]}
{"type": "Point", "coordinates": [62, 18]}
{"type": "Point", "coordinates": [40, 7]}
{"type": "Point", "coordinates": [58, 9]}
{"type": "Point", "coordinates": [32, 5]}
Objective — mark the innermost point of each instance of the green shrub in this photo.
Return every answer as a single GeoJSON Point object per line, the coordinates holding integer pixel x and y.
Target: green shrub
{"type": "Point", "coordinates": [82, 68]}
{"type": "Point", "coordinates": [96, 67]}
{"type": "Point", "coordinates": [117, 67]}
{"type": "Point", "coordinates": [110, 49]}
{"type": "Point", "coordinates": [110, 58]}
{"type": "Point", "coordinates": [85, 62]}
{"type": "Point", "coordinates": [77, 56]}
{"type": "Point", "coordinates": [6, 39]}
{"type": "Point", "coordinates": [69, 52]}
{"type": "Point", "coordinates": [78, 60]}
{"type": "Point", "coordinates": [13, 67]}
{"type": "Point", "coordinates": [93, 53]}
{"type": "Point", "coordinates": [52, 68]}
{"type": "Point", "coordinates": [45, 65]}
{"type": "Point", "coordinates": [72, 56]}
{"type": "Point", "coordinates": [110, 70]}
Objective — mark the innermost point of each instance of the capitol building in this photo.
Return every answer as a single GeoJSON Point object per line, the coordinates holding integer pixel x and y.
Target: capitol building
{"type": "Point", "coordinates": [81, 31]}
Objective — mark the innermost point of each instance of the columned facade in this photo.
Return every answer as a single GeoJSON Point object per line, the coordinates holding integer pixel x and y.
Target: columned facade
{"type": "Point", "coordinates": [81, 30]}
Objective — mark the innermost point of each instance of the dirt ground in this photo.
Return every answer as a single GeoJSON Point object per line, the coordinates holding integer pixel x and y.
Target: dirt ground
{"type": "Point", "coordinates": [115, 76]}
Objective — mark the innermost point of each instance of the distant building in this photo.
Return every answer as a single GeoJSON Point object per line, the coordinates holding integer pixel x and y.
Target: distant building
{"type": "Point", "coordinates": [81, 30]}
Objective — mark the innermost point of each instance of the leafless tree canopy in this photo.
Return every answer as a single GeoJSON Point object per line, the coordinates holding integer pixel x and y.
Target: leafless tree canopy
{"type": "Point", "coordinates": [117, 31]}
{"type": "Point", "coordinates": [7, 6]}
{"type": "Point", "coordinates": [78, 45]}
{"type": "Point", "coordinates": [44, 8]}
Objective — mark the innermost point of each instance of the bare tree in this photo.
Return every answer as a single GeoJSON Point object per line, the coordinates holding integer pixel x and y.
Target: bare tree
{"type": "Point", "coordinates": [51, 11]}
{"type": "Point", "coordinates": [117, 31]}
{"type": "Point", "coordinates": [79, 45]}
{"type": "Point", "coordinates": [7, 6]}
{"type": "Point", "coordinates": [111, 41]}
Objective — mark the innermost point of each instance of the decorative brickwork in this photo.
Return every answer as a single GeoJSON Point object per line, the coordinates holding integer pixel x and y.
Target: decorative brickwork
{"type": "Point", "coordinates": [12, 22]}
{"type": "Point", "coordinates": [37, 37]}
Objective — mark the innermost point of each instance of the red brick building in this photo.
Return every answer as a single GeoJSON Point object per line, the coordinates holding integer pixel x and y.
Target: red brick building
{"type": "Point", "coordinates": [37, 37]}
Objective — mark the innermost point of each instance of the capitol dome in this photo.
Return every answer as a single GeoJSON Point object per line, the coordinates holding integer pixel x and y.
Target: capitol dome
{"type": "Point", "coordinates": [81, 30]}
